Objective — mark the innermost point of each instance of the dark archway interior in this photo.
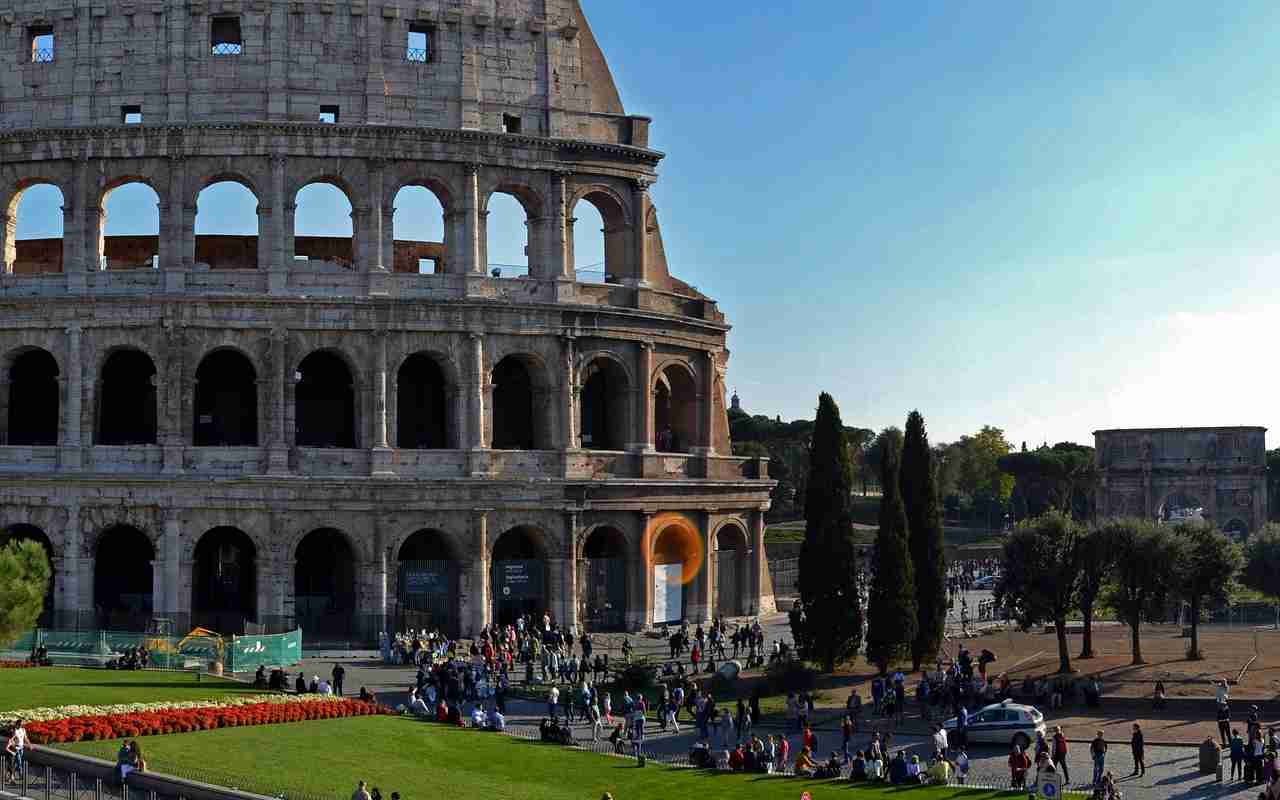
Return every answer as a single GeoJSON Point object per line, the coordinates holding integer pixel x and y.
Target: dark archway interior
{"type": "Point", "coordinates": [730, 570]}
{"type": "Point", "coordinates": [324, 577]}
{"type": "Point", "coordinates": [33, 399]}
{"type": "Point", "coordinates": [226, 402]}
{"type": "Point", "coordinates": [421, 405]}
{"type": "Point", "coordinates": [127, 405]}
{"type": "Point", "coordinates": [326, 402]}
{"type": "Point", "coordinates": [604, 407]}
{"type": "Point", "coordinates": [603, 578]}
{"type": "Point", "coordinates": [122, 576]}
{"type": "Point", "coordinates": [730, 537]}
{"type": "Point", "coordinates": [605, 543]}
{"type": "Point", "coordinates": [675, 412]}
{"type": "Point", "coordinates": [224, 588]}
{"type": "Point", "coordinates": [30, 533]}
{"type": "Point", "coordinates": [519, 575]}
{"type": "Point", "coordinates": [512, 406]}
{"type": "Point", "coordinates": [427, 582]}
{"type": "Point", "coordinates": [426, 545]}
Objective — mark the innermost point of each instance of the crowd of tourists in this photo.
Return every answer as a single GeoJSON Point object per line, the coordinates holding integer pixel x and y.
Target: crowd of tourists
{"type": "Point", "coordinates": [961, 575]}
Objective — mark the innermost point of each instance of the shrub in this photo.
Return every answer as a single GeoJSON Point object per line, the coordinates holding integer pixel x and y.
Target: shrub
{"type": "Point", "coordinates": [637, 676]}
{"type": "Point", "coordinates": [790, 676]}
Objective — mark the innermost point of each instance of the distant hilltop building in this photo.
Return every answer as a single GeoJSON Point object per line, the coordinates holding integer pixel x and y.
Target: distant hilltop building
{"type": "Point", "coordinates": [1185, 474]}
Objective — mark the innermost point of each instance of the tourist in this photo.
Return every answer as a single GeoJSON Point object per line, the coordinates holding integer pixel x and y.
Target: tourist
{"type": "Point", "coordinates": [300, 685]}
{"type": "Point", "coordinates": [846, 735]}
{"type": "Point", "coordinates": [726, 728]}
{"type": "Point", "coordinates": [858, 767]}
{"type": "Point", "coordinates": [1224, 723]}
{"type": "Point", "coordinates": [940, 743]}
{"type": "Point", "coordinates": [1158, 697]}
{"type": "Point", "coordinates": [361, 793]}
{"type": "Point", "coordinates": [1237, 756]}
{"type": "Point", "coordinates": [875, 767]}
{"type": "Point", "coordinates": [1098, 752]}
{"type": "Point", "coordinates": [898, 769]}
{"type": "Point", "coordinates": [315, 684]}
{"type": "Point", "coordinates": [338, 674]}
{"type": "Point", "coordinates": [940, 771]}
{"type": "Point", "coordinates": [804, 766]}
{"type": "Point", "coordinates": [1138, 745]}
{"type": "Point", "coordinates": [1060, 750]}
{"type": "Point", "coordinates": [496, 721]}
{"type": "Point", "coordinates": [1019, 763]}
{"type": "Point", "coordinates": [553, 701]}
{"type": "Point", "coordinates": [324, 688]}
{"type": "Point", "coordinates": [737, 760]}
{"type": "Point", "coordinates": [962, 766]}
{"type": "Point", "coordinates": [16, 748]}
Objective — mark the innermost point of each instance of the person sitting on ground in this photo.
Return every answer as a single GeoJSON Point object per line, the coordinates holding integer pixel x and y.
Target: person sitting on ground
{"type": "Point", "coordinates": [361, 792]}
{"type": "Point", "coordinates": [260, 677]}
{"type": "Point", "coordinates": [830, 769]}
{"type": "Point", "coordinates": [442, 711]}
{"type": "Point", "coordinates": [915, 772]}
{"type": "Point", "coordinates": [858, 767]}
{"type": "Point", "coordinates": [962, 766]}
{"type": "Point", "coordinates": [617, 738]}
{"type": "Point", "coordinates": [700, 754]}
{"type": "Point", "coordinates": [898, 769]}
{"type": "Point", "coordinates": [416, 706]}
{"type": "Point", "coordinates": [477, 717]}
{"type": "Point", "coordinates": [804, 764]}
{"type": "Point", "coordinates": [495, 720]}
{"type": "Point", "coordinates": [325, 688]}
{"type": "Point", "coordinates": [940, 771]}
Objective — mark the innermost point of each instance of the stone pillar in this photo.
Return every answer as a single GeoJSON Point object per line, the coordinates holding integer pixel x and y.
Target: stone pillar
{"type": "Point", "coordinates": [72, 549]}
{"type": "Point", "coordinates": [380, 573]}
{"type": "Point", "coordinates": [77, 256]}
{"type": "Point", "coordinates": [95, 221]}
{"type": "Point", "coordinates": [568, 612]}
{"type": "Point", "coordinates": [644, 401]}
{"type": "Point", "coordinates": [380, 458]}
{"type": "Point", "coordinates": [639, 223]}
{"type": "Point", "coordinates": [476, 603]}
{"type": "Point", "coordinates": [177, 248]}
{"type": "Point", "coordinates": [469, 256]}
{"type": "Point", "coordinates": [570, 401]}
{"type": "Point", "coordinates": [701, 608]}
{"type": "Point", "coordinates": [760, 602]}
{"type": "Point", "coordinates": [172, 603]}
{"type": "Point", "coordinates": [266, 237]}
{"type": "Point", "coordinates": [283, 209]}
{"type": "Point", "coordinates": [707, 406]}
{"type": "Point", "coordinates": [371, 235]}
{"type": "Point", "coordinates": [169, 401]}
{"type": "Point", "coordinates": [476, 382]}
{"type": "Point", "coordinates": [559, 263]}
{"type": "Point", "coordinates": [278, 450]}
{"type": "Point", "coordinates": [8, 243]}
{"type": "Point", "coordinates": [644, 617]}
{"type": "Point", "coordinates": [71, 454]}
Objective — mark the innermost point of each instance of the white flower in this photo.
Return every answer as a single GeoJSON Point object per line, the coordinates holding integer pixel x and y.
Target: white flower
{"type": "Point", "coordinates": [51, 714]}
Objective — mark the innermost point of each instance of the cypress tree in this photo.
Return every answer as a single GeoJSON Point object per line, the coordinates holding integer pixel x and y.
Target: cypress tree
{"type": "Point", "coordinates": [832, 625]}
{"type": "Point", "coordinates": [924, 524]}
{"type": "Point", "coordinates": [892, 609]}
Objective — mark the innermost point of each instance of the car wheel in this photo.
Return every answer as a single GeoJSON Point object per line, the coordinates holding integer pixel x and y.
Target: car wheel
{"type": "Point", "coordinates": [1020, 740]}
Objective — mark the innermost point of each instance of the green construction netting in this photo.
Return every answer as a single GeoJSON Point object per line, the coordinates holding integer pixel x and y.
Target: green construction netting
{"type": "Point", "coordinates": [247, 653]}
{"type": "Point", "coordinates": [166, 651]}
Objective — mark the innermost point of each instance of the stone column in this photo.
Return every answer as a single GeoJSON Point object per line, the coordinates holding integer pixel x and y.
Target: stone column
{"type": "Point", "coordinates": [169, 403]}
{"type": "Point", "coordinates": [172, 603]}
{"type": "Point", "coordinates": [707, 407]}
{"type": "Point", "coordinates": [570, 400]}
{"type": "Point", "coordinates": [8, 243]}
{"type": "Point", "coordinates": [639, 224]}
{"type": "Point", "coordinates": [371, 236]}
{"type": "Point", "coordinates": [283, 209]}
{"type": "Point", "coordinates": [559, 264]}
{"type": "Point", "coordinates": [644, 615]}
{"type": "Point", "coordinates": [476, 603]}
{"type": "Point", "coordinates": [177, 248]}
{"type": "Point", "coordinates": [644, 401]}
{"type": "Point", "coordinates": [380, 458]}
{"type": "Point", "coordinates": [278, 450]}
{"type": "Point", "coordinates": [71, 454]}
{"type": "Point", "coordinates": [470, 245]}
{"type": "Point", "coordinates": [77, 256]}
{"type": "Point", "coordinates": [380, 573]}
{"type": "Point", "coordinates": [477, 381]}
{"type": "Point", "coordinates": [701, 607]}
{"type": "Point", "coordinates": [72, 548]}
{"type": "Point", "coordinates": [760, 602]}
{"type": "Point", "coordinates": [569, 600]}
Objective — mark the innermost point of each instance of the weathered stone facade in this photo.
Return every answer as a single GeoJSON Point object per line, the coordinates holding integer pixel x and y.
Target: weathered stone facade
{"type": "Point", "coordinates": [257, 405]}
{"type": "Point", "coordinates": [1145, 472]}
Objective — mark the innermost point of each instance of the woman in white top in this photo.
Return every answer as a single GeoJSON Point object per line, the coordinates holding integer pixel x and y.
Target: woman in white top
{"type": "Point", "coordinates": [16, 747]}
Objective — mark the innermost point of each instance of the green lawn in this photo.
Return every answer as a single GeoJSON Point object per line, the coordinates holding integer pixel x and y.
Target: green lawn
{"type": "Point", "coordinates": [422, 760]}
{"type": "Point", "coordinates": [59, 686]}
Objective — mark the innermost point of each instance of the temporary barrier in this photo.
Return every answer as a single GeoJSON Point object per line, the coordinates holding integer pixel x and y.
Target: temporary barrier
{"type": "Point", "coordinates": [247, 653]}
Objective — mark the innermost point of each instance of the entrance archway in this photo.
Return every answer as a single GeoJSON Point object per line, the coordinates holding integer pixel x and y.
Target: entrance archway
{"type": "Point", "coordinates": [730, 570]}
{"type": "Point", "coordinates": [427, 583]}
{"type": "Point", "coordinates": [30, 533]}
{"type": "Point", "coordinates": [1180, 506]}
{"type": "Point", "coordinates": [602, 599]}
{"type": "Point", "coordinates": [513, 418]}
{"type": "Point", "coordinates": [677, 557]}
{"type": "Point", "coordinates": [123, 579]}
{"type": "Point", "coordinates": [325, 402]}
{"type": "Point", "coordinates": [520, 576]}
{"type": "Point", "coordinates": [33, 399]}
{"type": "Point", "coordinates": [675, 411]}
{"type": "Point", "coordinates": [127, 399]}
{"type": "Point", "coordinates": [603, 406]}
{"type": "Point", "coordinates": [224, 587]}
{"type": "Point", "coordinates": [324, 590]}
{"type": "Point", "coordinates": [226, 403]}
{"type": "Point", "coordinates": [422, 408]}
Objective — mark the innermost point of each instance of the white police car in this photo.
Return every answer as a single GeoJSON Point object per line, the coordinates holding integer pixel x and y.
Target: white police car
{"type": "Point", "coordinates": [1002, 723]}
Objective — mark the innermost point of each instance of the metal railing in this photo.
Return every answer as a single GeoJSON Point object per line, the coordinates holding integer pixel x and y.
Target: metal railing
{"type": "Point", "coordinates": [42, 55]}
{"type": "Point", "coordinates": [227, 49]}
{"type": "Point", "coordinates": [417, 55]}
{"type": "Point", "coordinates": [785, 573]}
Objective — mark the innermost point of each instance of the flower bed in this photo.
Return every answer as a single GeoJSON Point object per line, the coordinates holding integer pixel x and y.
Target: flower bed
{"type": "Point", "coordinates": [16, 664]}
{"type": "Point", "coordinates": [53, 713]}
{"type": "Point", "coordinates": [185, 720]}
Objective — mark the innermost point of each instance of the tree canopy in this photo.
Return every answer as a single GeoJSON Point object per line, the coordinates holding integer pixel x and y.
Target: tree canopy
{"type": "Point", "coordinates": [891, 610]}
{"type": "Point", "coordinates": [1205, 566]}
{"type": "Point", "coordinates": [24, 578]}
{"type": "Point", "coordinates": [1039, 575]}
{"type": "Point", "coordinates": [924, 526]}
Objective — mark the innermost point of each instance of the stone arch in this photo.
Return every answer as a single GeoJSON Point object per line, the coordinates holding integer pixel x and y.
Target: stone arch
{"type": "Point", "coordinates": [675, 549]}
{"type": "Point", "coordinates": [416, 207]}
{"type": "Point", "coordinates": [27, 532]}
{"type": "Point", "coordinates": [325, 400]}
{"type": "Point", "coordinates": [605, 556]}
{"type": "Point", "coordinates": [1177, 501]}
{"type": "Point", "coordinates": [325, 584]}
{"type": "Point", "coordinates": [532, 205]}
{"type": "Point", "coordinates": [521, 574]}
{"type": "Point", "coordinates": [226, 399]}
{"type": "Point", "coordinates": [429, 568]}
{"type": "Point", "coordinates": [616, 239]}
{"type": "Point", "coordinates": [675, 407]}
{"type": "Point", "coordinates": [731, 565]}
{"type": "Point", "coordinates": [520, 403]}
{"type": "Point", "coordinates": [229, 249]}
{"type": "Point", "coordinates": [123, 577]}
{"type": "Point", "coordinates": [132, 250]}
{"type": "Point", "coordinates": [424, 399]}
{"type": "Point", "coordinates": [127, 397]}
{"type": "Point", "coordinates": [224, 581]}
{"type": "Point", "coordinates": [37, 255]}
{"type": "Point", "coordinates": [30, 397]}
{"type": "Point", "coordinates": [337, 249]}
{"type": "Point", "coordinates": [604, 402]}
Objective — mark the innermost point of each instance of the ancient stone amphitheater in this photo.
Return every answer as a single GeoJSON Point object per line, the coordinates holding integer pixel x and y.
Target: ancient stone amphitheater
{"type": "Point", "coordinates": [353, 434]}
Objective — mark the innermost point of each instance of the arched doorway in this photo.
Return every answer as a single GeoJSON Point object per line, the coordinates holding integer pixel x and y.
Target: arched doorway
{"type": "Point", "coordinates": [33, 399]}
{"type": "Point", "coordinates": [730, 570]}
{"type": "Point", "coordinates": [422, 408]}
{"type": "Point", "coordinates": [519, 574]}
{"type": "Point", "coordinates": [675, 411]}
{"type": "Point", "coordinates": [513, 419]}
{"type": "Point", "coordinates": [226, 402]}
{"type": "Point", "coordinates": [123, 579]}
{"type": "Point", "coordinates": [325, 402]}
{"type": "Point", "coordinates": [224, 586]}
{"type": "Point", "coordinates": [603, 406]}
{"type": "Point", "coordinates": [30, 533]}
{"type": "Point", "coordinates": [1180, 506]}
{"type": "Point", "coordinates": [324, 589]}
{"type": "Point", "coordinates": [602, 598]}
{"type": "Point", "coordinates": [677, 557]}
{"type": "Point", "coordinates": [427, 583]}
{"type": "Point", "coordinates": [127, 399]}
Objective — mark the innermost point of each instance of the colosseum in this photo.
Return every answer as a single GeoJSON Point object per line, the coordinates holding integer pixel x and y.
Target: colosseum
{"type": "Point", "coordinates": [353, 434]}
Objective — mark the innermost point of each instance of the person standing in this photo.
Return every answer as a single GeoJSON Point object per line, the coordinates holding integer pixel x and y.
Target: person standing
{"type": "Point", "coordinates": [1224, 723]}
{"type": "Point", "coordinates": [1060, 753]}
{"type": "Point", "coordinates": [16, 747]}
{"type": "Point", "coordinates": [1237, 756]}
{"type": "Point", "coordinates": [338, 674]}
{"type": "Point", "coordinates": [1098, 751]}
{"type": "Point", "coordinates": [1138, 745]}
{"type": "Point", "coordinates": [361, 792]}
{"type": "Point", "coordinates": [1019, 763]}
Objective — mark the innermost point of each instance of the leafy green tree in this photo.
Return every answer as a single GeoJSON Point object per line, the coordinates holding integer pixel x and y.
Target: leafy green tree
{"type": "Point", "coordinates": [1095, 557]}
{"type": "Point", "coordinates": [1039, 575]}
{"type": "Point", "coordinates": [924, 525]}
{"type": "Point", "coordinates": [1143, 574]}
{"type": "Point", "coordinates": [1207, 564]}
{"type": "Point", "coordinates": [890, 438]}
{"type": "Point", "coordinates": [1060, 477]}
{"type": "Point", "coordinates": [1273, 484]}
{"type": "Point", "coordinates": [24, 579]}
{"type": "Point", "coordinates": [828, 557]}
{"type": "Point", "coordinates": [892, 607]}
{"type": "Point", "coordinates": [1262, 562]}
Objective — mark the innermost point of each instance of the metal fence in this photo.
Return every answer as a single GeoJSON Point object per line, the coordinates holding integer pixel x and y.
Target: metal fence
{"type": "Point", "coordinates": [785, 573]}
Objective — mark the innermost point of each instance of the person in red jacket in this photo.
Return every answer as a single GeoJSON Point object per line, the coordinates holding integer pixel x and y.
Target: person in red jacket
{"type": "Point", "coordinates": [1019, 763]}
{"type": "Point", "coordinates": [1060, 753]}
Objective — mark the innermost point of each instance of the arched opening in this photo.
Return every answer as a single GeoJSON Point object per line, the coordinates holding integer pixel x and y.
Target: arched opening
{"type": "Point", "coordinates": [324, 589]}
{"type": "Point", "coordinates": [30, 533]}
{"type": "Point", "coordinates": [122, 579]}
{"type": "Point", "coordinates": [224, 583]}
{"type": "Point", "coordinates": [603, 405]}
{"type": "Point", "coordinates": [730, 571]}
{"type": "Point", "coordinates": [127, 399]}
{"type": "Point", "coordinates": [506, 236]}
{"type": "Point", "coordinates": [326, 402]}
{"type": "Point", "coordinates": [519, 576]}
{"type": "Point", "coordinates": [227, 226]}
{"type": "Point", "coordinates": [422, 405]}
{"type": "Point", "coordinates": [601, 239]}
{"type": "Point", "coordinates": [130, 227]}
{"type": "Point", "coordinates": [419, 232]}
{"type": "Point", "coordinates": [513, 406]}
{"type": "Point", "coordinates": [677, 559]}
{"type": "Point", "coordinates": [37, 243]}
{"type": "Point", "coordinates": [1237, 531]}
{"type": "Point", "coordinates": [675, 411]}
{"type": "Point", "coordinates": [34, 399]}
{"type": "Point", "coordinates": [602, 599]}
{"type": "Point", "coordinates": [1180, 506]}
{"type": "Point", "coordinates": [322, 230]}
{"type": "Point", "coordinates": [427, 583]}
{"type": "Point", "coordinates": [226, 402]}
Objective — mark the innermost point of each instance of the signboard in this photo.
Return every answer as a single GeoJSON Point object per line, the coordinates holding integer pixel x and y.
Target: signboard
{"type": "Point", "coordinates": [1049, 786]}
{"type": "Point", "coordinates": [426, 582]}
{"type": "Point", "coordinates": [668, 593]}
{"type": "Point", "coordinates": [519, 578]}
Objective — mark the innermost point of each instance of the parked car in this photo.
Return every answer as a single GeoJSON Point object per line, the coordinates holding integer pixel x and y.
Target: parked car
{"type": "Point", "coordinates": [985, 582]}
{"type": "Point", "coordinates": [1003, 723]}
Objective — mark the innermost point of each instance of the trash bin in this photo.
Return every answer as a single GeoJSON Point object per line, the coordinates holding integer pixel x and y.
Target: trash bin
{"type": "Point", "coordinates": [1210, 757]}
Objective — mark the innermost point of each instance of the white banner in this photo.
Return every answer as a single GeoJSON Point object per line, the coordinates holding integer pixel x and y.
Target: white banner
{"type": "Point", "coordinates": [668, 594]}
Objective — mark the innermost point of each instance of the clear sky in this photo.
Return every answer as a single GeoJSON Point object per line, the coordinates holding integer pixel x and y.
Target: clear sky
{"type": "Point", "coordinates": [1049, 217]}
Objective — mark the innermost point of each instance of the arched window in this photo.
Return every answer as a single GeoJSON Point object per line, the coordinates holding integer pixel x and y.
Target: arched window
{"type": "Point", "coordinates": [519, 575]}
{"type": "Point", "coordinates": [324, 583]}
{"type": "Point", "coordinates": [422, 407]}
{"type": "Point", "coordinates": [506, 236]}
{"type": "Point", "coordinates": [122, 579]}
{"type": "Point", "coordinates": [603, 599]}
{"type": "Point", "coordinates": [34, 396]}
{"type": "Point", "coordinates": [224, 589]}
{"type": "Point", "coordinates": [227, 226]}
{"type": "Point", "coordinates": [322, 231]}
{"type": "Point", "coordinates": [37, 245]}
{"type": "Point", "coordinates": [513, 417]}
{"type": "Point", "coordinates": [325, 400]}
{"type": "Point", "coordinates": [30, 533]}
{"type": "Point", "coordinates": [731, 571]}
{"type": "Point", "coordinates": [677, 559]}
{"type": "Point", "coordinates": [427, 583]}
{"type": "Point", "coordinates": [131, 227]}
{"type": "Point", "coordinates": [675, 410]}
{"type": "Point", "coordinates": [226, 402]}
{"type": "Point", "coordinates": [127, 399]}
{"type": "Point", "coordinates": [601, 239]}
{"type": "Point", "coordinates": [419, 232]}
{"type": "Point", "coordinates": [603, 405]}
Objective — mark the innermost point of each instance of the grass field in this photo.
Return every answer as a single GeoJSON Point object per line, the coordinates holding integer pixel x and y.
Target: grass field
{"type": "Point", "coordinates": [420, 759]}
{"type": "Point", "coordinates": [60, 686]}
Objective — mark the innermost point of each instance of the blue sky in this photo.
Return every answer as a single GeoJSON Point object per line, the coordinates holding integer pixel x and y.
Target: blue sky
{"type": "Point", "coordinates": [1048, 217]}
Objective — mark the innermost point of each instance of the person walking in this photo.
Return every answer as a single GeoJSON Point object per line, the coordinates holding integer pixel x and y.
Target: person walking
{"type": "Point", "coordinates": [1060, 749]}
{"type": "Point", "coordinates": [339, 672]}
{"type": "Point", "coordinates": [1224, 723]}
{"type": "Point", "coordinates": [1098, 751]}
{"type": "Point", "coordinates": [16, 748]}
{"type": "Point", "coordinates": [1019, 763]}
{"type": "Point", "coordinates": [1138, 745]}
{"type": "Point", "coordinates": [1237, 756]}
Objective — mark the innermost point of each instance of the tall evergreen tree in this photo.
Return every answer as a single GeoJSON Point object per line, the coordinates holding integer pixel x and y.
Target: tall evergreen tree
{"type": "Point", "coordinates": [892, 608]}
{"type": "Point", "coordinates": [832, 621]}
{"type": "Point", "coordinates": [924, 526]}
